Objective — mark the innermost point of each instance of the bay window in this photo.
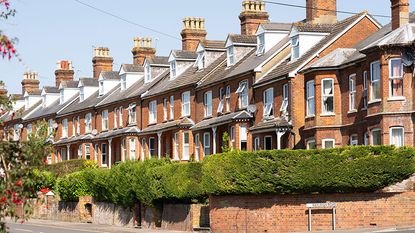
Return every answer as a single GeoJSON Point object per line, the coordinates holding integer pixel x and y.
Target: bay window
{"type": "Point", "coordinates": [152, 107]}
{"type": "Point", "coordinates": [375, 81]}
{"type": "Point", "coordinates": [176, 146]}
{"type": "Point", "coordinates": [228, 98]}
{"type": "Point", "coordinates": [327, 96]}
{"type": "Point", "coordinates": [87, 151]}
{"type": "Point", "coordinates": [243, 136]}
{"type": "Point", "coordinates": [208, 103]}
{"type": "Point", "coordinates": [132, 149]}
{"type": "Point", "coordinates": [186, 103]}
{"type": "Point", "coordinates": [354, 140]}
{"type": "Point", "coordinates": [116, 118]}
{"type": "Point", "coordinates": [197, 147]}
{"type": "Point", "coordinates": [310, 98]}
{"type": "Point", "coordinates": [186, 146]}
{"type": "Point", "coordinates": [120, 117]}
{"type": "Point", "coordinates": [395, 77]}
{"type": "Point", "coordinates": [397, 136]}
{"type": "Point", "coordinates": [104, 154]}
{"type": "Point", "coordinates": [311, 144]}
{"type": "Point", "coordinates": [132, 114]}
{"type": "Point", "coordinates": [269, 102]}
{"type": "Point", "coordinates": [221, 99]}
{"type": "Point", "coordinates": [64, 128]}
{"type": "Point", "coordinates": [88, 122]}
{"type": "Point", "coordinates": [165, 109]}
{"type": "Point", "coordinates": [257, 144]}
{"type": "Point", "coordinates": [152, 146]}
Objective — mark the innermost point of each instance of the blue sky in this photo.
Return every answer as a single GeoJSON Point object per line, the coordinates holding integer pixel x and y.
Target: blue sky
{"type": "Point", "coordinates": [51, 30]}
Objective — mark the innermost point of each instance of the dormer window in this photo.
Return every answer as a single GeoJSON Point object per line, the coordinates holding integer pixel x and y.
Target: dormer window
{"type": "Point", "coordinates": [147, 72]}
{"type": "Point", "coordinates": [173, 69]}
{"type": "Point", "coordinates": [231, 56]}
{"type": "Point", "coordinates": [123, 82]}
{"type": "Point", "coordinates": [261, 45]}
{"type": "Point", "coordinates": [61, 96]}
{"type": "Point", "coordinates": [201, 61]}
{"type": "Point", "coordinates": [101, 87]}
{"type": "Point", "coordinates": [295, 44]}
{"type": "Point", "coordinates": [81, 94]}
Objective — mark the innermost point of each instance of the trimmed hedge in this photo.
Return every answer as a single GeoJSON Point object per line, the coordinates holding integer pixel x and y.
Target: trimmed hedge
{"type": "Point", "coordinates": [70, 166]}
{"type": "Point", "coordinates": [73, 186]}
{"type": "Point", "coordinates": [344, 170]}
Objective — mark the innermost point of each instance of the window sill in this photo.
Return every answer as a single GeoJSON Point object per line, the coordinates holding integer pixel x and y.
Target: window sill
{"type": "Point", "coordinates": [104, 165]}
{"type": "Point", "coordinates": [207, 117]}
{"type": "Point", "coordinates": [310, 116]}
{"type": "Point", "coordinates": [152, 123]}
{"type": "Point", "coordinates": [374, 101]}
{"type": "Point", "coordinates": [327, 115]}
{"type": "Point", "coordinates": [364, 109]}
{"type": "Point", "coordinates": [352, 111]}
{"type": "Point", "coordinates": [397, 98]}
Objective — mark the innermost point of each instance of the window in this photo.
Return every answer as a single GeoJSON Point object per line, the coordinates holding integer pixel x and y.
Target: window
{"type": "Point", "coordinates": [79, 151]}
{"type": "Point", "coordinates": [328, 143]}
{"type": "Point", "coordinates": [143, 149]}
{"type": "Point", "coordinates": [50, 126]}
{"type": "Point", "coordinates": [269, 102]}
{"type": "Point", "coordinates": [311, 144]}
{"type": "Point", "coordinates": [353, 140]}
{"type": "Point", "coordinates": [352, 92]}
{"type": "Point", "coordinates": [395, 77]}
{"type": "Point", "coordinates": [88, 122]}
{"type": "Point", "coordinates": [197, 147]}
{"type": "Point", "coordinates": [29, 130]}
{"type": "Point", "coordinates": [365, 90]}
{"type": "Point", "coordinates": [228, 98]}
{"type": "Point", "coordinates": [171, 107]}
{"type": "Point", "coordinates": [101, 87]}
{"type": "Point", "coordinates": [397, 136]}
{"type": "Point", "coordinates": [243, 94]}
{"type": "Point", "coordinates": [64, 155]}
{"type": "Point", "coordinates": [173, 70]}
{"type": "Point", "coordinates": [186, 152]}
{"type": "Point", "coordinates": [64, 128]}
{"type": "Point", "coordinates": [81, 94]}
{"type": "Point", "coordinates": [186, 103]}
{"type": "Point", "coordinates": [201, 60]}
{"type": "Point", "coordinates": [61, 98]}
{"type": "Point", "coordinates": [328, 96]}
{"type": "Point", "coordinates": [152, 106]}
{"type": "Point", "coordinates": [96, 152]}
{"type": "Point", "coordinates": [284, 105]}
{"type": "Point", "coordinates": [375, 81]}
{"type": "Point", "coordinates": [116, 118]}
{"type": "Point", "coordinates": [73, 126]}
{"type": "Point", "coordinates": [147, 73]}
{"type": "Point", "coordinates": [231, 56]}
{"type": "Point", "coordinates": [103, 154]}
{"type": "Point", "coordinates": [261, 44]}
{"type": "Point", "coordinates": [206, 144]}
{"type": "Point", "coordinates": [208, 103]}
{"type": "Point", "coordinates": [257, 144]}
{"type": "Point", "coordinates": [376, 137]}
{"type": "Point", "coordinates": [243, 134]}
{"type": "Point", "coordinates": [268, 143]}
{"type": "Point", "coordinates": [132, 114]}
{"type": "Point", "coordinates": [152, 146]}
{"type": "Point", "coordinates": [123, 82]}
{"type": "Point", "coordinates": [233, 134]}
{"type": "Point", "coordinates": [123, 150]}
{"type": "Point", "coordinates": [295, 44]}
{"type": "Point", "coordinates": [87, 151]}
{"type": "Point", "coordinates": [165, 109]}
{"type": "Point", "coordinates": [366, 138]}
{"type": "Point", "coordinates": [310, 98]}
{"type": "Point", "coordinates": [176, 146]}
{"type": "Point", "coordinates": [78, 125]}
{"type": "Point", "coordinates": [105, 120]}
{"type": "Point", "coordinates": [221, 99]}
{"type": "Point", "coordinates": [121, 123]}
{"type": "Point", "coordinates": [132, 149]}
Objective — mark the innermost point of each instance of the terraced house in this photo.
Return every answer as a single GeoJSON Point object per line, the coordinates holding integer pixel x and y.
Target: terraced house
{"type": "Point", "coordinates": [320, 82]}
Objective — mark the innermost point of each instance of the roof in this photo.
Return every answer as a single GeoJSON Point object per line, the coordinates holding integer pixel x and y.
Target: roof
{"type": "Point", "coordinates": [312, 27]}
{"type": "Point", "coordinates": [214, 44]}
{"type": "Point", "coordinates": [24, 112]}
{"type": "Point", "coordinates": [69, 84]}
{"type": "Point", "coordinates": [271, 125]}
{"type": "Point", "coordinates": [17, 97]}
{"type": "Point", "coordinates": [243, 39]}
{"type": "Point", "coordinates": [335, 58]}
{"type": "Point", "coordinates": [183, 54]}
{"type": "Point", "coordinates": [51, 109]}
{"type": "Point", "coordinates": [132, 68]}
{"type": "Point", "coordinates": [110, 75]}
{"type": "Point", "coordinates": [220, 120]}
{"type": "Point", "coordinates": [185, 122]}
{"type": "Point", "coordinates": [132, 130]}
{"type": "Point", "coordinates": [51, 89]}
{"type": "Point", "coordinates": [89, 82]}
{"type": "Point", "coordinates": [34, 92]}
{"type": "Point", "coordinates": [75, 105]}
{"type": "Point", "coordinates": [403, 36]}
{"type": "Point", "coordinates": [284, 68]}
{"type": "Point", "coordinates": [157, 60]}
{"type": "Point", "coordinates": [277, 26]}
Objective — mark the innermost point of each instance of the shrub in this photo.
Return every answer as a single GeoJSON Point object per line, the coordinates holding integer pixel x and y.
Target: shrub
{"type": "Point", "coordinates": [70, 166]}
{"type": "Point", "coordinates": [73, 186]}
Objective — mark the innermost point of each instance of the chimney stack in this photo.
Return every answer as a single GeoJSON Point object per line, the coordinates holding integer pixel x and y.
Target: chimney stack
{"type": "Point", "coordinates": [63, 72]}
{"type": "Point", "coordinates": [101, 61]}
{"type": "Point", "coordinates": [253, 14]}
{"type": "Point", "coordinates": [3, 90]}
{"type": "Point", "coordinates": [321, 11]}
{"type": "Point", "coordinates": [142, 49]}
{"type": "Point", "coordinates": [400, 13]}
{"type": "Point", "coordinates": [30, 82]}
{"type": "Point", "coordinates": [193, 32]}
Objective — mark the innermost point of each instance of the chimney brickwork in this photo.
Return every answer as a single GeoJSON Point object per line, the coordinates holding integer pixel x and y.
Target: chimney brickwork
{"type": "Point", "coordinates": [63, 72]}
{"type": "Point", "coordinates": [321, 11]}
{"type": "Point", "coordinates": [143, 49]}
{"type": "Point", "coordinates": [193, 33]}
{"type": "Point", "coordinates": [252, 15]}
{"type": "Point", "coordinates": [30, 82]}
{"type": "Point", "coordinates": [101, 61]}
{"type": "Point", "coordinates": [400, 13]}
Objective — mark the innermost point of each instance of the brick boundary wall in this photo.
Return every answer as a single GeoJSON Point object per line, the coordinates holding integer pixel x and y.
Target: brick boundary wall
{"type": "Point", "coordinates": [276, 213]}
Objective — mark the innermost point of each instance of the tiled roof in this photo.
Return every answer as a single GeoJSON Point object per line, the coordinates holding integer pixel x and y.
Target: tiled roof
{"type": "Point", "coordinates": [50, 110]}
{"type": "Point", "coordinates": [277, 26]}
{"type": "Point", "coordinates": [243, 39]}
{"type": "Point", "coordinates": [132, 68]}
{"type": "Point", "coordinates": [157, 60]}
{"type": "Point", "coordinates": [403, 36]}
{"type": "Point", "coordinates": [51, 89]}
{"type": "Point", "coordinates": [69, 84]}
{"type": "Point", "coordinates": [312, 27]}
{"type": "Point", "coordinates": [34, 92]}
{"type": "Point", "coordinates": [214, 44]}
{"type": "Point", "coordinates": [79, 106]}
{"type": "Point", "coordinates": [183, 54]}
{"type": "Point", "coordinates": [271, 125]}
{"type": "Point", "coordinates": [89, 82]}
{"type": "Point", "coordinates": [17, 97]}
{"type": "Point", "coordinates": [284, 68]}
{"type": "Point", "coordinates": [110, 75]}
{"type": "Point", "coordinates": [335, 58]}
{"type": "Point", "coordinates": [132, 130]}
{"type": "Point", "coordinates": [185, 122]}
{"type": "Point", "coordinates": [221, 120]}
{"type": "Point", "coordinates": [23, 113]}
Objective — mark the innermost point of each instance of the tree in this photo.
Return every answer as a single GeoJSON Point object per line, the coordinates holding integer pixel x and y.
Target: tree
{"type": "Point", "coordinates": [6, 44]}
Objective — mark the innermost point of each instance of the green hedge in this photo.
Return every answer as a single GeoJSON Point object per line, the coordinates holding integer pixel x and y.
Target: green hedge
{"type": "Point", "coordinates": [344, 170]}
{"type": "Point", "coordinates": [70, 166]}
{"type": "Point", "coordinates": [73, 186]}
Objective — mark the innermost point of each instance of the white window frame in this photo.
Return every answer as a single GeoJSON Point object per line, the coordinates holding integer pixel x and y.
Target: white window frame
{"type": "Point", "coordinates": [243, 137]}
{"type": "Point", "coordinates": [147, 73]}
{"type": "Point", "coordinates": [197, 147]}
{"type": "Point", "coordinates": [120, 117]}
{"type": "Point", "coordinates": [374, 82]}
{"type": "Point", "coordinates": [323, 142]}
{"type": "Point", "coordinates": [81, 94]}
{"type": "Point", "coordinates": [132, 147]}
{"type": "Point", "coordinates": [74, 126]}
{"type": "Point", "coordinates": [285, 101]}
{"type": "Point", "coordinates": [101, 87]}
{"type": "Point", "coordinates": [143, 149]}
{"type": "Point", "coordinates": [207, 100]}
{"type": "Point", "coordinates": [104, 155]}
{"type": "Point", "coordinates": [206, 144]}
{"type": "Point", "coordinates": [165, 109]}
{"type": "Point", "coordinates": [176, 146]}
{"type": "Point", "coordinates": [230, 51]}
{"type": "Point", "coordinates": [257, 142]}
{"type": "Point", "coordinates": [78, 125]}
{"type": "Point", "coordinates": [352, 92]}
{"type": "Point", "coordinates": [171, 103]}
{"type": "Point", "coordinates": [354, 140]}
{"type": "Point", "coordinates": [221, 100]}
{"type": "Point", "coordinates": [186, 104]}
{"type": "Point", "coordinates": [295, 45]}
{"type": "Point", "coordinates": [123, 82]}
{"type": "Point", "coordinates": [116, 118]}
{"type": "Point", "coordinates": [88, 123]}
{"type": "Point", "coordinates": [323, 95]}
{"type": "Point", "coordinates": [152, 111]}
{"type": "Point", "coordinates": [201, 60]}
{"type": "Point", "coordinates": [173, 70]}
{"type": "Point", "coordinates": [87, 151]}
{"type": "Point", "coordinates": [311, 110]}
{"type": "Point", "coordinates": [152, 147]}
{"type": "Point", "coordinates": [394, 78]}
{"type": "Point", "coordinates": [186, 146]}
{"type": "Point", "coordinates": [228, 98]}
{"type": "Point", "coordinates": [242, 91]}
{"type": "Point", "coordinates": [402, 143]}
{"type": "Point", "coordinates": [364, 96]}
{"type": "Point", "coordinates": [96, 146]}
{"type": "Point", "coordinates": [132, 113]}
{"type": "Point", "coordinates": [80, 151]}
{"type": "Point", "coordinates": [366, 139]}
{"type": "Point", "coordinates": [372, 137]}
{"type": "Point", "coordinates": [261, 44]}
{"type": "Point", "coordinates": [105, 125]}
{"type": "Point", "coordinates": [309, 142]}
{"type": "Point", "coordinates": [65, 128]}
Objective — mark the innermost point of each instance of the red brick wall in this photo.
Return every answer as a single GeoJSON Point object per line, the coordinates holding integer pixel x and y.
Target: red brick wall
{"type": "Point", "coordinates": [273, 213]}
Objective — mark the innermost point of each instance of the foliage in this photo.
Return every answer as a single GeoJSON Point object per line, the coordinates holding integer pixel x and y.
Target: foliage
{"type": "Point", "coordinates": [351, 169]}
{"type": "Point", "coordinates": [74, 185]}
{"type": "Point", "coordinates": [225, 141]}
{"type": "Point", "coordinates": [70, 166]}
{"type": "Point", "coordinates": [6, 44]}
